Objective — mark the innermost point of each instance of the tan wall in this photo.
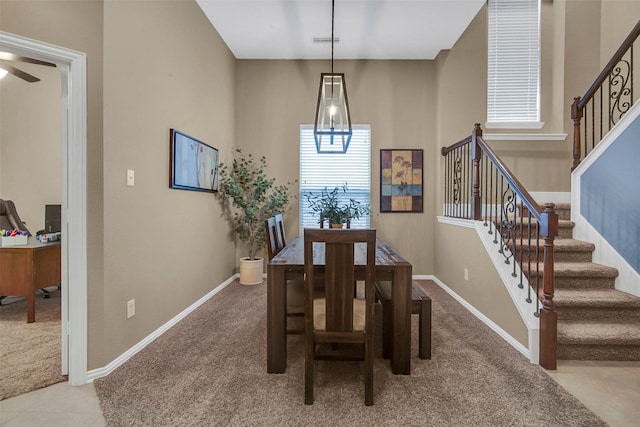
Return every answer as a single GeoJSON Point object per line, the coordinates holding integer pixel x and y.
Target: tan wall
{"type": "Point", "coordinates": [568, 65]}
{"type": "Point", "coordinates": [395, 97]}
{"type": "Point", "coordinates": [163, 247]}
{"type": "Point", "coordinates": [618, 17]}
{"type": "Point", "coordinates": [31, 155]}
{"type": "Point", "coordinates": [460, 248]}
{"type": "Point", "coordinates": [462, 92]}
{"type": "Point", "coordinates": [76, 25]}
{"type": "Point", "coordinates": [148, 90]}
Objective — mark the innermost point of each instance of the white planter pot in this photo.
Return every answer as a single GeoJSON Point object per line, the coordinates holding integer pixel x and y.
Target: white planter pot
{"type": "Point", "coordinates": [251, 271]}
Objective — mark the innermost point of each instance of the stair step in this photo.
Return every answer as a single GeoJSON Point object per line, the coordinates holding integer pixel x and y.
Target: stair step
{"type": "Point", "coordinates": [598, 341]}
{"type": "Point", "coordinates": [580, 275]}
{"type": "Point", "coordinates": [565, 228]}
{"type": "Point", "coordinates": [596, 305]}
{"type": "Point", "coordinates": [599, 333]}
{"type": "Point", "coordinates": [564, 250]}
{"type": "Point", "coordinates": [563, 210]}
{"type": "Point", "coordinates": [572, 250]}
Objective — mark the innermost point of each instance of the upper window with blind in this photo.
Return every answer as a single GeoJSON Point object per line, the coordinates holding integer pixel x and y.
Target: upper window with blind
{"type": "Point", "coordinates": [318, 171]}
{"type": "Point", "coordinates": [513, 87]}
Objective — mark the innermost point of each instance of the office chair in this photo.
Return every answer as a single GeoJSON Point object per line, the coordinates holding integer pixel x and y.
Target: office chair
{"type": "Point", "coordinates": [9, 218]}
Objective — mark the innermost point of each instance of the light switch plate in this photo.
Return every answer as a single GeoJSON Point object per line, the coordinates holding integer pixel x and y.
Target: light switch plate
{"type": "Point", "coordinates": [131, 308]}
{"type": "Point", "coordinates": [130, 178]}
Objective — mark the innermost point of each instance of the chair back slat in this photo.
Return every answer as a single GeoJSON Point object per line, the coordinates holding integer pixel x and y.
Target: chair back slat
{"type": "Point", "coordinates": [339, 280]}
{"type": "Point", "coordinates": [281, 238]}
{"type": "Point", "coordinates": [275, 241]}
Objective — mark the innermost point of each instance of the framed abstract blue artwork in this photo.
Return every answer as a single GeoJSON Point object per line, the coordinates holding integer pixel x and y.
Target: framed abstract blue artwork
{"type": "Point", "coordinates": [193, 164]}
{"type": "Point", "coordinates": [401, 185]}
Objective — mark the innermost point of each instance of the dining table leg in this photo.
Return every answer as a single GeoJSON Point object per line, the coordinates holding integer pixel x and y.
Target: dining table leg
{"type": "Point", "coordinates": [276, 320]}
{"type": "Point", "coordinates": [401, 309]}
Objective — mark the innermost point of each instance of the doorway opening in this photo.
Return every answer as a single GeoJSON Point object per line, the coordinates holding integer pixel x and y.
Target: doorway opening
{"type": "Point", "coordinates": [74, 204]}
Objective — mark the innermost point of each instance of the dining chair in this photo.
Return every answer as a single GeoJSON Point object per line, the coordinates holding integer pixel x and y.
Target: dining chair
{"type": "Point", "coordinates": [276, 241]}
{"type": "Point", "coordinates": [280, 235]}
{"type": "Point", "coordinates": [338, 317]}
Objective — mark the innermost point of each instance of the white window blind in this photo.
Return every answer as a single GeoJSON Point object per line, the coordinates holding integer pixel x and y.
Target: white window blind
{"type": "Point", "coordinates": [514, 63]}
{"type": "Point", "coordinates": [318, 171]}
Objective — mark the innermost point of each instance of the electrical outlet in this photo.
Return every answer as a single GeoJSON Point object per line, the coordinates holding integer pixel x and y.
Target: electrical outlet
{"type": "Point", "coordinates": [131, 308]}
{"type": "Point", "coordinates": [466, 274]}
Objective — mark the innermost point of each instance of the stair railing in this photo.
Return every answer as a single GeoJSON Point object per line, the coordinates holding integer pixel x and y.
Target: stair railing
{"type": "Point", "coordinates": [480, 187]}
{"type": "Point", "coordinates": [606, 101]}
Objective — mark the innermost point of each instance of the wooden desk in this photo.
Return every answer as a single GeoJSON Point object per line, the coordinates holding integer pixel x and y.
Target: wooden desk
{"type": "Point", "coordinates": [289, 264]}
{"type": "Point", "coordinates": [25, 269]}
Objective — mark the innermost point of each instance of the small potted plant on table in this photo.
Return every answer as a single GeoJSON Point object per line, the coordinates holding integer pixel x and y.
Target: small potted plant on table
{"type": "Point", "coordinates": [254, 197]}
{"type": "Point", "coordinates": [329, 205]}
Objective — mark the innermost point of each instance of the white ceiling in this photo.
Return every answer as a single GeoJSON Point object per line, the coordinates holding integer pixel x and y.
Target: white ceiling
{"type": "Point", "coordinates": [367, 29]}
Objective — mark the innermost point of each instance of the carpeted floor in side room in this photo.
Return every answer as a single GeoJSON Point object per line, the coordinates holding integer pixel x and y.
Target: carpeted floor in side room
{"type": "Point", "coordinates": [210, 369]}
{"type": "Point", "coordinates": [30, 352]}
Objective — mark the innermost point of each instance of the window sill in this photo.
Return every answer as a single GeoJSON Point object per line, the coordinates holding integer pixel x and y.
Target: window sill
{"type": "Point", "coordinates": [524, 136]}
{"type": "Point", "coordinates": [514, 125]}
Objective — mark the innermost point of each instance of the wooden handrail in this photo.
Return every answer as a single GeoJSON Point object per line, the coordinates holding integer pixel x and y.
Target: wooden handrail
{"type": "Point", "coordinates": [610, 65]}
{"type": "Point", "coordinates": [547, 227]}
{"type": "Point", "coordinates": [531, 204]}
{"type": "Point", "coordinates": [580, 104]}
{"type": "Point", "coordinates": [445, 150]}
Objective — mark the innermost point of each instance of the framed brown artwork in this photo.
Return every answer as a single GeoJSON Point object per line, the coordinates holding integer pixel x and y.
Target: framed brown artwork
{"type": "Point", "coordinates": [401, 185]}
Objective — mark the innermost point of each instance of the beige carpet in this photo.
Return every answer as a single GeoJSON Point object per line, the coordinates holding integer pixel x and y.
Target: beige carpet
{"type": "Point", "coordinates": [211, 370]}
{"type": "Point", "coordinates": [29, 352]}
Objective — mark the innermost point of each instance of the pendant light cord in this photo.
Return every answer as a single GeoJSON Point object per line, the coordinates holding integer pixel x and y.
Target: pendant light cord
{"type": "Point", "coordinates": [333, 6]}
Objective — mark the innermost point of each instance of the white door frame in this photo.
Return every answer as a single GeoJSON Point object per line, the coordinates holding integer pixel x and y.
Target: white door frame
{"type": "Point", "coordinates": [74, 195]}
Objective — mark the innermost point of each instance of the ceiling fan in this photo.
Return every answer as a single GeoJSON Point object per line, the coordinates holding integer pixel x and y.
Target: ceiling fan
{"type": "Point", "coordinates": [6, 57]}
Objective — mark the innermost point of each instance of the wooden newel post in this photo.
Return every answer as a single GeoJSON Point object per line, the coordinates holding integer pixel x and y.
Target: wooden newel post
{"type": "Point", "coordinates": [548, 315]}
{"type": "Point", "coordinates": [476, 152]}
{"type": "Point", "coordinates": [576, 115]}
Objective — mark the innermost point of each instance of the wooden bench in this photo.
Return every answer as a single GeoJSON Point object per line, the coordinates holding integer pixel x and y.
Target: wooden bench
{"type": "Point", "coordinates": [420, 304]}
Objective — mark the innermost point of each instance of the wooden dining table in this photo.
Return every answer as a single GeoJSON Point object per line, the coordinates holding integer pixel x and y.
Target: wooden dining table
{"type": "Point", "coordinates": [288, 264]}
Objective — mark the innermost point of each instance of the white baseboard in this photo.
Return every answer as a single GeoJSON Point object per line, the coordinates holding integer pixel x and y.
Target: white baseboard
{"type": "Point", "coordinates": [106, 370]}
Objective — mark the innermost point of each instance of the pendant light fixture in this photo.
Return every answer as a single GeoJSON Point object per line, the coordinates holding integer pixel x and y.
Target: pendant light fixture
{"type": "Point", "coordinates": [332, 129]}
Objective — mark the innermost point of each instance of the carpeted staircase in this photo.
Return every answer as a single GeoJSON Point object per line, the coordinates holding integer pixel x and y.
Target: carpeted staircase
{"type": "Point", "coordinates": [595, 321]}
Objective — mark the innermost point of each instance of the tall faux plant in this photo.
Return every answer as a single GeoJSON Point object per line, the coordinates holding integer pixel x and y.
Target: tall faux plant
{"type": "Point", "coordinates": [254, 196]}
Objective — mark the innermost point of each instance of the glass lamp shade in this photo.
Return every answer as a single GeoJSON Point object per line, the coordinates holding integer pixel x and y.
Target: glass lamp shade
{"type": "Point", "coordinates": [332, 129]}
{"type": "Point", "coordinates": [3, 72]}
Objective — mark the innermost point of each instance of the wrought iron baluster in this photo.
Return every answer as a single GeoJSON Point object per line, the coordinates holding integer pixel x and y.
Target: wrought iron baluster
{"type": "Point", "coordinates": [484, 189]}
{"type": "Point", "coordinates": [506, 224]}
{"type": "Point", "coordinates": [469, 186]}
{"type": "Point", "coordinates": [529, 256]}
{"type": "Point", "coordinates": [537, 313]}
{"type": "Point", "coordinates": [456, 181]}
{"type": "Point", "coordinates": [491, 199]}
{"type": "Point", "coordinates": [619, 89]}
{"type": "Point", "coordinates": [593, 141]}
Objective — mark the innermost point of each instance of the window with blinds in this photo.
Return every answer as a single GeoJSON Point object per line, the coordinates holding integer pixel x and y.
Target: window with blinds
{"type": "Point", "coordinates": [318, 171]}
{"type": "Point", "coordinates": [513, 87]}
